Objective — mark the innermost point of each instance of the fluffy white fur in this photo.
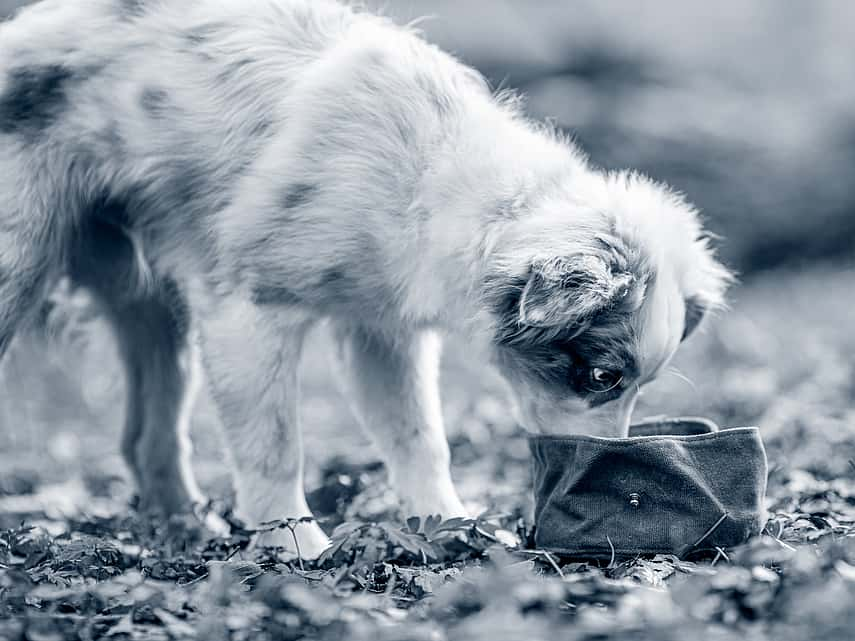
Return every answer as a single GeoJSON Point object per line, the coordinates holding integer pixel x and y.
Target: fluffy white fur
{"type": "Point", "coordinates": [284, 161]}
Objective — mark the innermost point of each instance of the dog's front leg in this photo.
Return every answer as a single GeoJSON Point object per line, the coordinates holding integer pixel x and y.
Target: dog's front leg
{"type": "Point", "coordinates": [251, 355]}
{"type": "Point", "coordinates": [393, 388]}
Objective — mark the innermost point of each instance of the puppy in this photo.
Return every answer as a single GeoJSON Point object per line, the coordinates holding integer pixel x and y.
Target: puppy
{"type": "Point", "coordinates": [221, 176]}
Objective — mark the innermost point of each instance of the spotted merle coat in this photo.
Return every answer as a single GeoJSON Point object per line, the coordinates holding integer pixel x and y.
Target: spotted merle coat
{"type": "Point", "coordinates": [223, 174]}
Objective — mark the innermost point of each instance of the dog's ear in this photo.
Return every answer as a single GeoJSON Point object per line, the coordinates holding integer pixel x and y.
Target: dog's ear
{"type": "Point", "coordinates": [695, 312]}
{"type": "Point", "coordinates": [566, 291]}
{"type": "Point", "coordinates": [705, 282]}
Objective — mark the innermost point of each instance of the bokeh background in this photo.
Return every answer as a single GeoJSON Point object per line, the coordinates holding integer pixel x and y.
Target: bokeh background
{"type": "Point", "coordinates": [748, 107]}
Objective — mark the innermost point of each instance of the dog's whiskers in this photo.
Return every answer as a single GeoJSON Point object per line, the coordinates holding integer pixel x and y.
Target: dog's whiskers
{"type": "Point", "coordinates": [675, 372]}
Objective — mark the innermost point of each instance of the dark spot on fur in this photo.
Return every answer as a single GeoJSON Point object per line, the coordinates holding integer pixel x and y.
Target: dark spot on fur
{"type": "Point", "coordinates": [332, 277]}
{"type": "Point", "coordinates": [260, 127]}
{"type": "Point", "coordinates": [198, 39]}
{"type": "Point", "coordinates": [181, 184]}
{"type": "Point", "coordinates": [259, 245]}
{"type": "Point", "coordinates": [298, 195]}
{"type": "Point", "coordinates": [153, 101]}
{"type": "Point", "coordinates": [200, 34]}
{"type": "Point", "coordinates": [196, 36]}
{"type": "Point", "coordinates": [336, 285]}
{"type": "Point", "coordinates": [234, 69]}
{"type": "Point", "coordinates": [132, 8]}
{"type": "Point", "coordinates": [190, 184]}
{"type": "Point", "coordinates": [240, 65]}
{"type": "Point", "coordinates": [274, 295]}
{"type": "Point", "coordinates": [562, 357]}
{"type": "Point", "coordinates": [508, 208]}
{"type": "Point", "coordinates": [34, 98]}
{"type": "Point", "coordinates": [5, 339]}
{"type": "Point", "coordinates": [335, 280]}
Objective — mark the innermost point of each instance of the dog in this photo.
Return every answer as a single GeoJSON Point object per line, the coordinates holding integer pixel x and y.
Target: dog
{"type": "Point", "coordinates": [222, 176]}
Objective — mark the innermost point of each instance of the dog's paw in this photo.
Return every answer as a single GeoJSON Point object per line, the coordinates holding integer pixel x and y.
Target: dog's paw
{"type": "Point", "coordinates": [446, 505]}
{"type": "Point", "coordinates": [212, 522]}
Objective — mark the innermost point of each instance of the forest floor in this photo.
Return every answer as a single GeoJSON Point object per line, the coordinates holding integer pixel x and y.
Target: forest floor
{"type": "Point", "coordinates": [77, 562]}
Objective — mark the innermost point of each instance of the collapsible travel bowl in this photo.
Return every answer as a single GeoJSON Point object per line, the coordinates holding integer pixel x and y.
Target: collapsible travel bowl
{"type": "Point", "coordinates": [675, 486]}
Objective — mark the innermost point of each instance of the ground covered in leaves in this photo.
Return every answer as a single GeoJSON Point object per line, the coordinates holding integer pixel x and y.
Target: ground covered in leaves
{"type": "Point", "coordinates": [77, 562]}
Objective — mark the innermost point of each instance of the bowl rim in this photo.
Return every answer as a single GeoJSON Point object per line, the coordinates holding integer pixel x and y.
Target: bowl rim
{"type": "Point", "coordinates": [728, 432]}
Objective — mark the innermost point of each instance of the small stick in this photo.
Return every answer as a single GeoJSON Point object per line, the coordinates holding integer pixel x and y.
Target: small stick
{"type": "Point", "coordinates": [688, 548]}
{"type": "Point", "coordinates": [720, 554]}
{"type": "Point", "coordinates": [612, 560]}
{"type": "Point", "coordinates": [296, 545]}
{"type": "Point", "coordinates": [547, 556]}
{"type": "Point", "coordinates": [553, 563]}
{"type": "Point", "coordinates": [786, 545]}
{"type": "Point", "coordinates": [717, 557]}
{"type": "Point", "coordinates": [710, 531]}
{"type": "Point", "coordinates": [201, 577]}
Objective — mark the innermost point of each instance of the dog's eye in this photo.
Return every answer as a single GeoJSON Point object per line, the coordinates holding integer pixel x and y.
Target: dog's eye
{"type": "Point", "coordinates": [603, 380]}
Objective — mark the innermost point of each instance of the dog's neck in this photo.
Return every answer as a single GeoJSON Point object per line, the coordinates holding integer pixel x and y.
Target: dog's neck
{"type": "Point", "coordinates": [474, 186]}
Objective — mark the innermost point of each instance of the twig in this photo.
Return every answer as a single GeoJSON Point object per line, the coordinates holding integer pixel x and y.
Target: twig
{"type": "Point", "coordinates": [785, 545]}
{"type": "Point", "coordinates": [553, 563]}
{"type": "Point", "coordinates": [485, 534]}
{"type": "Point", "coordinates": [524, 561]}
{"type": "Point", "coordinates": [548, 557]}
{"type": "Point", "coordinates": [231, 554]}
{"type": "Point", "coordinates": [688, 548]}
{"type": "Point", "coordinates": [201, 577]}
{"type": "Point", "coordinates": [710, 531]}
{"type": "Point", "coordinates": [612, 560]}
{"type": "Point", "coordinates": [720, 554]}
{"type": "Point", "coordinates": [296, 545]}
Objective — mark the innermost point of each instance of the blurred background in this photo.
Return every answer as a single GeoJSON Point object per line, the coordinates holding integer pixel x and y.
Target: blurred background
{"type": "Point", "coordinates": [748, 107]}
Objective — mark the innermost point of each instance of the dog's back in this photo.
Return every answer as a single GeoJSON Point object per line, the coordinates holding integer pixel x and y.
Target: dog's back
{"type": "Point", "coordinates": [170, 113]}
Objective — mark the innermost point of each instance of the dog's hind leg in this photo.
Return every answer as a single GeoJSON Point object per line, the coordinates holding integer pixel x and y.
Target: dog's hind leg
{"type": "Point", "coordinates": [30, 244]}
{"type": "Point", "coordinates": [162, 378]}
{"type": "Point", "coordinates": [151, 323]}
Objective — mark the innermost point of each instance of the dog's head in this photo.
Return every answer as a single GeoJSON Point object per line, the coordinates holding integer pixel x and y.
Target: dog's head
{"type": "Point", "coordinates": [592, 287]}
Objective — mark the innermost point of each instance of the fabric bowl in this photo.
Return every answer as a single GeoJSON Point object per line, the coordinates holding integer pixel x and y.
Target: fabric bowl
{"type": "Point", "coordinates": [675, 486]}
